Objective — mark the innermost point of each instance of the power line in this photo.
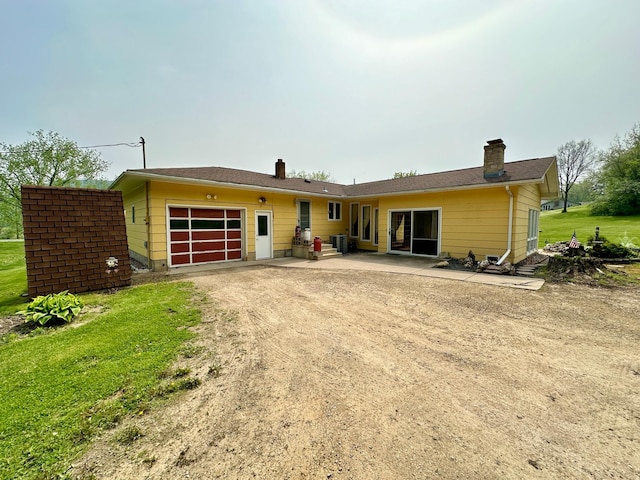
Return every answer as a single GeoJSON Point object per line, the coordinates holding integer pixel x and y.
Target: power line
{"type": "Point", "coordinates": [125, 144]}
{"type": "Point", "coordinates": [132, 145]}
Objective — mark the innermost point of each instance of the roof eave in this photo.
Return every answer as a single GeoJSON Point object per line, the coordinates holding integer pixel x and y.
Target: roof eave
{"type": "Point", "coordinates": [144, 176]}
{"type": "Point", "coordinates": [450, 189]}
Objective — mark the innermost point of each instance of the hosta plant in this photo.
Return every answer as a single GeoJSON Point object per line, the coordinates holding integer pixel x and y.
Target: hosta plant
{"type": "Point", "coordinates": [63, 306]}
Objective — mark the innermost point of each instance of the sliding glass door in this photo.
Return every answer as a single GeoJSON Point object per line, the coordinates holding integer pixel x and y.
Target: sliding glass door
{"type": "Point", "coordinates": [414, 231]}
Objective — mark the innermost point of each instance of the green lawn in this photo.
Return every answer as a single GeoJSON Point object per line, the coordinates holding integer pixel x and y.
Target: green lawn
{"type": "Point", "coordinates": [60, 387]}
{"type": "Point", "coordinates": [556, 226]}
{"type": "Point", "coordinates": [13, 277]}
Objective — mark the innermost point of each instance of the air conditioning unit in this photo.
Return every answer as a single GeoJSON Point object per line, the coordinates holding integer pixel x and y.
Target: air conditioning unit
{"type": "Point", "coordinates": [339, 242]}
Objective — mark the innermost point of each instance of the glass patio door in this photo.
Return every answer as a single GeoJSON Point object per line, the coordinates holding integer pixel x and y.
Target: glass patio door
{"type": "Point", "coordinates": [400, 232]}
{"type": "Point", "coordinates": [414, 231]}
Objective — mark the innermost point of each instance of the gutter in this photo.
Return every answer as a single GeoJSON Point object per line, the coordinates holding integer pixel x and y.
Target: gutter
{"type": "Point", "coordinates": [240, 186]}
{"type": "Point", "coordinates": [510, 228]}
{"type": "Point", "coordinates": [235, 186]}
{"type": "Point", "coordinates": [147, 221]}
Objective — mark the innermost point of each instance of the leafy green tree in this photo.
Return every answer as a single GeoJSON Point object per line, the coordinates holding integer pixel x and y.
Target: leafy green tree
{"type": "Point", "coordinates": [319, 176]}
{"type": "Point", "coordinates": [586, 190]}
{"type": "Point", "coordinates": [575, 159]}
{"type": "Point", "coordinates": [10, 221]}
{"type": "Point", "coordinates": [410, 173]}
{"type": "Point", "coordinates": [620, 176]}
{"type": "Point", "coordinates": [46, 159]}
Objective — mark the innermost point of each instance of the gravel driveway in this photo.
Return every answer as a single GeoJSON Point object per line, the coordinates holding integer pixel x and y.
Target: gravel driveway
{"type": "Point", "coordinates": [362, 375]}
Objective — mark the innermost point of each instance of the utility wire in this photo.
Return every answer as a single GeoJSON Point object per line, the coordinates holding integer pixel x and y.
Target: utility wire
{"type": "Point", "coordinates": [130, 144]}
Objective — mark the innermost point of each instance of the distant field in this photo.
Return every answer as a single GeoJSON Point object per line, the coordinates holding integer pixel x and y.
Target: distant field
{"type": "Point", "coordinates": [556, 226]}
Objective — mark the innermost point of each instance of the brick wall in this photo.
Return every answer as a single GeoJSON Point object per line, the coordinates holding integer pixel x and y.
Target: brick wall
{"type": "Point", "coordinates": [69, 233]}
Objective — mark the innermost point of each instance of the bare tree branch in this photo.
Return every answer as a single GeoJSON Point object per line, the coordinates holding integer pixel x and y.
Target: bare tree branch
{"type": "Point", "coordinates": [575, 159]}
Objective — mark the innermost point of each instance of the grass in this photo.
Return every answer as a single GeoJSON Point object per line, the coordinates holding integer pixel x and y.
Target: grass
{"type": "Point", "coordinates": [556, 226]}
{"type": "Point", "coordinates": [13, 277]}
{"type": "Point", "coordinates": [61, 388]}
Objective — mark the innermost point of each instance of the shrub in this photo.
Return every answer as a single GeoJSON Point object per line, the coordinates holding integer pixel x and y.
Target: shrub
{"type": "Point", "coordinates": [611, 250]}
{"type": "Point", "coordinates": [63, 306]}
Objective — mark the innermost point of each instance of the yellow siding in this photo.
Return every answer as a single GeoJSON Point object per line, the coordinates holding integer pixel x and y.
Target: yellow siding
{"type": "Point", "coordinates": [282, 206]}
{"type": "Point", "coordinates": [136, 232]}
{"type": "Point", "coordinates": [346, 211]}
{"type": "Point", "coordinates": [469, 219]}
{"type": "Point", "coordinates": [528, 198]}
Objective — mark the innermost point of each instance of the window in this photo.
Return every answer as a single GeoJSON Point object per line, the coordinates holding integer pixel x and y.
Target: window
{"type": "Point", "coordinates": [335, 211]}
{"type": "Point", "coordinates": [532, 235]}
{"type": "Point", "coordinates": [375, 226]}
{"type": "Point", "coordinates": [304, 214]}
{"type": "Point", "coordinates": [353, 220]}
{"type": "Point", "coordinates": [263, 225]}
{"type": "Point", "coordinates": [365, 235]}
{"type": "Point", "coordinates": [425, 232]}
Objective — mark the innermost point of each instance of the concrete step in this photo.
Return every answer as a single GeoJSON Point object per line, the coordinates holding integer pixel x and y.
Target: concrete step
{"type": "Point", "coordinates": [327, 252]}
{"type": "Point", "coordinates": [525, 273]}
{"type": "Point", "coordinates": [326, 256]}
{"type": "Point", "coordinates": [527, 270]}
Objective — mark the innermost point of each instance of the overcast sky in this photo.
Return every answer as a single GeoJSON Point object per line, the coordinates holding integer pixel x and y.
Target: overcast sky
{"type": "Point", "coordinates": [358, 88]}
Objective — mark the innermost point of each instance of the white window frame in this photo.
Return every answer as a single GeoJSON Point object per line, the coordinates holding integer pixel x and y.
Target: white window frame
{"type": "Point", "coordinates": [298, 213]}
{"type": "Point", "coordinates": [331, 212]}
{"type": "Point", "coordinates": [362, 234]}
{"type": "Point", "coordinates": [412, 211]}
{"type": "Point", "coordinates": [376, 221]}
{"type": "Point", "coordinates": [533, 229]}
{"type": "Point", "coordinates": [351, 219]}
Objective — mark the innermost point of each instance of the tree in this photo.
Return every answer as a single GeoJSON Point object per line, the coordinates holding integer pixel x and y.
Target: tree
{"type": "Point", "coordinates": [574, 160]}
{"type": "Point", "coordinates": [46, 159]}
{"type": "Point", "coordinates": [319, 176]}
{"type": "Point", "coordinates": [620, 176]}
{"type": "Point", "coordinates": [587, 189]}
{"type": "Point", "coordinates": [10, 221]}
{"type": "Point", "coordinates": [410, 173]}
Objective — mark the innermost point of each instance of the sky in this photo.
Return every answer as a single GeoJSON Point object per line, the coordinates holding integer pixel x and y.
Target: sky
{"type": "Point", "coordinates": [359, 89]}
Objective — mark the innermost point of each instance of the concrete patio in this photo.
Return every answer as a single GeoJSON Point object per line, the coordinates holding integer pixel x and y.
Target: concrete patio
{"type": "Point", "coordinates": [380, 262]}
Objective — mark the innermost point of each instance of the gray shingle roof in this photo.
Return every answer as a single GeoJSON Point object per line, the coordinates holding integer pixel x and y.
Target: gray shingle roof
{"type": "Point", "coordinates": [523, 171]}
{"type": "Point", "coordinates": [514, 172]}
{"type": "Point", "coordinates": [244, 178]}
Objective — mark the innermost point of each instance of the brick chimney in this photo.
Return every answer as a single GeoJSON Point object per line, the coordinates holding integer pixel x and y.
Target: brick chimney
{"type": "Point", "coordinates": [494, 158]}
{"type": "Point", "coordinates": [280, 171]}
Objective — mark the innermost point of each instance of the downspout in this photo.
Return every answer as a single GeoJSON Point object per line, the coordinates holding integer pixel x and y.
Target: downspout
{"type": "Point", "coordinates": [510, 228]}
{"type": "Point", "coordinates": [147, 220]}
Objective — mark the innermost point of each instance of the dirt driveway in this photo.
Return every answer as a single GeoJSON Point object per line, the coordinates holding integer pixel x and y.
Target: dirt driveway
{"type": "Point", "coordinates": [366, 375]}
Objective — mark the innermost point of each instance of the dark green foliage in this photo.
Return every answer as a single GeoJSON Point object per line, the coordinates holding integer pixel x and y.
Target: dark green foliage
{"type": "Point", "coordinates": [611, 250]}
{"type": "Point", "coordinates": [620, 176]}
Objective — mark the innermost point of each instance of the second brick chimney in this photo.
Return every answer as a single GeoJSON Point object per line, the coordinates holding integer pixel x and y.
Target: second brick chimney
{"type": "Point", "coordinates": [494, 158]}
{"type": "Point", "coordinates": [280, 171]}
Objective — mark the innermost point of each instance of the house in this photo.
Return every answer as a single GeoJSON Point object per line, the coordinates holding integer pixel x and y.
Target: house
{"type": "Point", "coordinates": [554, 204]}
{"type": "Point", "coordinates": [184, 216]}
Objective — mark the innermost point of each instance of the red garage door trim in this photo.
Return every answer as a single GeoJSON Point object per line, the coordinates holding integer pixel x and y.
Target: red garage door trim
{"type": "Point", "coordinates": [204, 235]}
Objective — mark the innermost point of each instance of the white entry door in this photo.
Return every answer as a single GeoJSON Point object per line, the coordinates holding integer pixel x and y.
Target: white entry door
{"type": "Point", "coordinates": [263, 235]}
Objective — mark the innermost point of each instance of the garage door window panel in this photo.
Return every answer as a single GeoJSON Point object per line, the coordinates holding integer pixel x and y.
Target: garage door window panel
{"type": "Point", "coordinates": [199, 235]}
